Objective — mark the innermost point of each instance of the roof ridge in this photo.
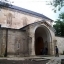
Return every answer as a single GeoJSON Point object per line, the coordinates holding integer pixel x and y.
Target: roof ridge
{"type": "Point", "coordinates": [24, 10]}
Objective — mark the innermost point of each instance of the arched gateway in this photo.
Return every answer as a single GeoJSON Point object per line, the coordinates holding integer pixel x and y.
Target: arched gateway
{"type": "Point", "coordinates": [42, 40]}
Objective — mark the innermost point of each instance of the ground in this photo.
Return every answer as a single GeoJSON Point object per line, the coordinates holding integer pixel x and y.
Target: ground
{"type": "Point", "coordinates": [22, 62]}
{"type": "Point", "coordinates": [33, 60]}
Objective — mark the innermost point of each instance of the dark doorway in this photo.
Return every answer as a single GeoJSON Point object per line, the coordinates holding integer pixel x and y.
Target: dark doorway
{"type": "Point", "coordinates": [42, 37]}
{"type": "Point", "coordinates": [39, 45]}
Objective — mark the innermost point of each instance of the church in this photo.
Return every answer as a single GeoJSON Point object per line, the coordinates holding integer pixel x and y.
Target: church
{"type": "Point", "coordinates": [24, 32]}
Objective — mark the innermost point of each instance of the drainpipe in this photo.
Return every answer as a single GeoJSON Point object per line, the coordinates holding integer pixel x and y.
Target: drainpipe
{"type": "Point", "coordinates": [5, 55]}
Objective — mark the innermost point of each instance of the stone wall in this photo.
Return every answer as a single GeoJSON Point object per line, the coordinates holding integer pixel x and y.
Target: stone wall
{"type": "Point", "coordinates": [17, 43]}
{"type": "Point", "coordinates": [11, 18]}
{"type": "Point", "coordinates": [60, 44]}
{"type": "Point", "coordinates": [1, 41]}
{"type": "Point", "coordinates": [50, 38]}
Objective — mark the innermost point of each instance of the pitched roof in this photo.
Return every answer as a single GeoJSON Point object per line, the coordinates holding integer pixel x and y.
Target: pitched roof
{"type": "Point", "coordinates": [24, 10]}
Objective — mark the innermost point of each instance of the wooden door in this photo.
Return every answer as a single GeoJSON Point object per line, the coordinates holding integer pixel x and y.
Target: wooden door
{"type": "Point", "coordinates": [39, 45]}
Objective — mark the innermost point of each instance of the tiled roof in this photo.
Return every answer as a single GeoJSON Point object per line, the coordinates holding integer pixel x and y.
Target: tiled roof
{"type": "Point", "coordinates": [25, 10]}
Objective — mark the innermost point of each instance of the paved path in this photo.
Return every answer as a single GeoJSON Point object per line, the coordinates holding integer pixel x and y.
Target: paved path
{"type": "Point", "coordinates": [33, 60]}
{"type": "Point", "coordinates": [4, 61]}
{"type": "Point", "coordinates": [24, 60]}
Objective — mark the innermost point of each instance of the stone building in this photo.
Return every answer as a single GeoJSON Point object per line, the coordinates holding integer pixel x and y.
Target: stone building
{"type": "Point", "coordinates": [24, 32]}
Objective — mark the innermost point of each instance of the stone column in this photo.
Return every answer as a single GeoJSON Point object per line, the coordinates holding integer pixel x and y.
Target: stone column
{"type": "Point", "coordinates": [32, 46]}
{"type": "Point", "coordinates": [52, 48]}
{"type": "Point", "coordinates": [49, 48]}
{"type": "Point", "coordinates": [55, 44]}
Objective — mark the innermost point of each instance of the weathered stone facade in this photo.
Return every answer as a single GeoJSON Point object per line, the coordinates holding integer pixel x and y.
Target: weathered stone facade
{"type": "Point", "coordinates": [21, 42]}
{"type": "Point", "coordinates": [15, 19]}
{"type": "Point", "coordinates": [20, 30]}
{"type": "Point", "coordinates": [16, 42]}
{"type": "Point", "coordinates": [60, 44]}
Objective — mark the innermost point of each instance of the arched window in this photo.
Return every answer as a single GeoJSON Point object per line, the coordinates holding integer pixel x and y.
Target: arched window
{"type": "Point", "coordinates": [9, 19]}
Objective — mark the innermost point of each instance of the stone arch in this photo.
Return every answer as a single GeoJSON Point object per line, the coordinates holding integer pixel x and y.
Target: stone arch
{"type": "Point", "coordinates": [44, 34]}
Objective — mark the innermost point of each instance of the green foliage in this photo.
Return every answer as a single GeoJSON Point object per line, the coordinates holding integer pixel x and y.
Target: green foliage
{"type": "Point", "coordinates": [57, 4]}
{"type": "Point", "coordinates": [59, 26]}
{"type": "Point", "coordinates": [61, 16]}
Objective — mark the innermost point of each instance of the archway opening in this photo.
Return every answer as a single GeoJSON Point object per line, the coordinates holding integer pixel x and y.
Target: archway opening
{"type": "Point", "coordinates": [39, 45]}
{"type": "Point", "coordinates": [42, 41]}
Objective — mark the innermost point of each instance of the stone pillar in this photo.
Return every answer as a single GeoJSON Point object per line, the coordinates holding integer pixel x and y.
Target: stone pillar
{"type": "Point", "coordinates": [32, 46]}
{"type": "Point", "coordinates": [52, 48]}
{"type": "Point", "coordinates": [49, 48]}
{"type": "Point", "coordinates": [2, 42]}
{"type": "Point", "coordinates": [55, 44]}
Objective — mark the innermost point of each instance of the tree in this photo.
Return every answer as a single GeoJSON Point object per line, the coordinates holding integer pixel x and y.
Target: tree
{"type": "Point", "coordinates": [57, 4]}
{"type": "Point", "coordinates": [59, 26]}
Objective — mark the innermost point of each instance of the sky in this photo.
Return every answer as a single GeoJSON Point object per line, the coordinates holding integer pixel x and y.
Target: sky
{"type": "Point", "coordinates": [39, 6]}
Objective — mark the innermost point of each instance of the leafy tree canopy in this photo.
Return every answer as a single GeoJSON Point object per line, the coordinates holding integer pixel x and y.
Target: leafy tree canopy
{"type": "Point", "coordinates": [58, 4]}
{"type": "Point", "coordinates": [59, 26]}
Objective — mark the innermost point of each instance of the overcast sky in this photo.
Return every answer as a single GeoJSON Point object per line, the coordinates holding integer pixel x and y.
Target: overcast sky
{"type": "Point", "coordinates": [39, 6]}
